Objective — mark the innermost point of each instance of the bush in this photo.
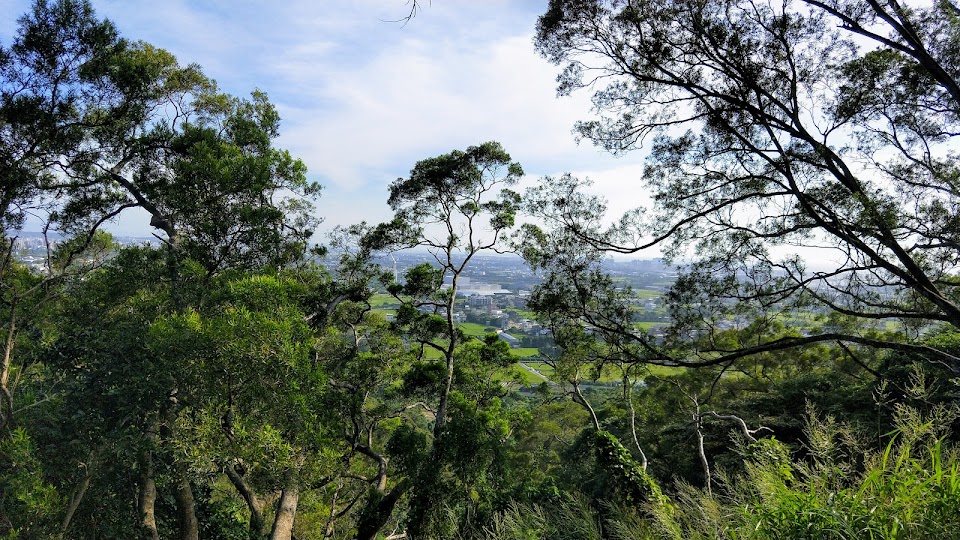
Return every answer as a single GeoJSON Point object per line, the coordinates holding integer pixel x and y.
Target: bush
{"type": "Point", "coordinates": [910, 489]}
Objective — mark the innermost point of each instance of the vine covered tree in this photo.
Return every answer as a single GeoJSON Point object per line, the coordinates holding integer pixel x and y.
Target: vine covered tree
{"type": "Point", "coordinates": [827, 125]}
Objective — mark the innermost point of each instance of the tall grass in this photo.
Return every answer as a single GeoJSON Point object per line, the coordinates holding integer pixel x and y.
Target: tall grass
{"type": "Point", "coordinates": [908, 490]}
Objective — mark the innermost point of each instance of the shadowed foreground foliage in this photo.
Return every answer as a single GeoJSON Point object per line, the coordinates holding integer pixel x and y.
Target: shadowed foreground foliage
{"type": "Point", "coordinates": [908, 490]}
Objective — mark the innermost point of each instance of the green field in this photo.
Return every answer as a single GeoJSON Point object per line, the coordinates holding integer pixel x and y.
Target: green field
{"type": "Point", "coordinates": [542, 367]}
{"type": "Point", "coordinates": [647, 325]}
{"type": "Point", "coordinates": [525, 313]}
{"type": "Point", "coordinates": [611, 375]}
{"type": "Point", "coordinates": [380, 301]}
{"type": "Point", "coordinates": [473, 329]}
{"type": "Point", "coordinates": [526, 376]}
{"type": "Point", "coordinates": [646, 294]}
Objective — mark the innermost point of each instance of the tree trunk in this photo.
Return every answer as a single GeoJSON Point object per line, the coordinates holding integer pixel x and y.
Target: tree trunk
{"type": "Point", "coordinates": [701, 451]}
{"type": "Point", "coordinates": [148, 497]}
{"type": "Point", "coordinates": [187, 524]}
{"type": "Point", "coordinates": [581, 400]}
{"type": "Point", "coordinates": [77, 496]}
{"type": "Point", "coordinates": [74, 504]}
{"type": "Point", "coordinates": [628, 393]}
{"type": "Point", "coordinates": [254, 504]}
{"type": "Point", "coordinates": [6, 407]}
{"type": "Point", "coordinates": [186, 512]}
{"type": "Point", "coordinates": [448, 356]}
{"type": "Point", "coordinates": [286, 509]}
{"type": "Point", "coordinates": [331, 520]}
{"type": "Point", "coordinates": [373, 519]}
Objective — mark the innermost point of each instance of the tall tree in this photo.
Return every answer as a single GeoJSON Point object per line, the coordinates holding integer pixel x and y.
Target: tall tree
{"type": "Point", "coordinates": [449, 206]}
{"type": "Point", "coordinates": [92, 125]}
{"type": "Point", "coordinates": [455, 205]}
{"type": "Point", "coordinates": [256, 391]}
{"type": "Point", "coordinates": [827, 125]}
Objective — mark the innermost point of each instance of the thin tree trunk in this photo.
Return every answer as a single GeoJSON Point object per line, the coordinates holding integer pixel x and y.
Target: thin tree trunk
{"type": "Point", "coordinates": [77, 497]}
{"type": "Point", "coordinates": [633, 428]}
{"type": "Point", "coordinates": [328, 530]}
{"type": "Point", "coordinates": [578, 397]}
{"type": "Point", "coordinates": [6, 408]}
{"type": "Point", "coordinates": [148, 489]}
{"type": "Point", "coordinates": [186, 512]}
{"type": "Point", "coordinates": [698, 422]}
{"type": "Point", "coordinates": [75, 503]}
{"type": "Point", "coordinates": [448, 355]}
{"type": "Point", "coordinates": [254, 504]}
{"type": "Point", "coordinates": [286, 508]}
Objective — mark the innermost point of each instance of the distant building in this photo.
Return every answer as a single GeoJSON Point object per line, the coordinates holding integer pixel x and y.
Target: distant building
{"type": "Point", "coordinates": [512, 341]}
{"type": "Point", "coordinates": [480, 301]}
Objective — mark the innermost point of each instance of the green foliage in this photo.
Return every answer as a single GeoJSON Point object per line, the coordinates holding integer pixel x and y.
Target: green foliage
{"type": "Point", "coordinates": [454, 191]}
{"type": "Point", "coordinates": [748, 110]}
{"type": "Point", "coordinates": [225, 362]}
{"type": "Point", "coordinates": [570, 518]}
{"type": "Point", "coordinates": [225, 166]}
{"type": "Point", "coordinates": [28, 503]}
{"type": "Point", "coordinates": [221, 517]}
{"type": "Point", "coordinates": [421, 281]}
{"type": "Point", "coordinates": [60, 46]}
{"type": "Point", "coordinates": [630, 478]}
{"type": "Point", "coordinates": [94, 124]}
{"type": "Point", "coordinates": [909, 489]}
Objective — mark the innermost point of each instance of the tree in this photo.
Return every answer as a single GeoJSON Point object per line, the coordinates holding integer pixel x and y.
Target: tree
{"type": "Point", "coordinates": [828, 125]}
{"type": "Point", "coordinates": [449, 205]}
{"type": "Point", "coordinates": [42, 121]}
{"type": "Point", "coordinates": [59, 50]}
{"type": "Point", "coordinates": [92, 125]}
{"type": "Point", "coordinates": [27, 298]}
{"type": "Point", "coordinates": [255, 399]}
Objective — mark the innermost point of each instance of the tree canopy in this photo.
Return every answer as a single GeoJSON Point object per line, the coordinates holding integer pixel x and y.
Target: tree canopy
{"type": "Point", "coordinates": [829, 126]}
{"type": "Point", "coordinates": [228, 381]}
{"type": "Point", "coordinates": [94, 124]}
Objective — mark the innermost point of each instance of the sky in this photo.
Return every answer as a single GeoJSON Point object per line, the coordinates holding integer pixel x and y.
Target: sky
{"type": "Point", "coordinates": [363, 99]}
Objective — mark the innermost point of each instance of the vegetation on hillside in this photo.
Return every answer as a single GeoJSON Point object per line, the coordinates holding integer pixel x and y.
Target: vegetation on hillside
{"type": "Point", "coordinates": [232, 382]}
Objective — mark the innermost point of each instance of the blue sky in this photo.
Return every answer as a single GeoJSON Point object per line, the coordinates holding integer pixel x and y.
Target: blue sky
{"type": "Point", "coordinates": [363, 99]}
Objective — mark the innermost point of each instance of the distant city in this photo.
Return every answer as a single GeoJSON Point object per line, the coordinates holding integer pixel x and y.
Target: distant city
{"type": "Point", "coordinates": [494, 288]}
{"type": "Point", "coordinates": [30, 248]}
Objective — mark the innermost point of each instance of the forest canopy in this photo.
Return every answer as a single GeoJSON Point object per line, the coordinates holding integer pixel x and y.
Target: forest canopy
{"type": "Point", "coordinates": [233, 379]}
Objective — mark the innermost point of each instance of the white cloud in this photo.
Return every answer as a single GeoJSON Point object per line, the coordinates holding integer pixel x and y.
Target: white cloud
{"type": "Point", "coordinates": [362, 99]}
{"type": "Point", "coordinates": [415, 100]}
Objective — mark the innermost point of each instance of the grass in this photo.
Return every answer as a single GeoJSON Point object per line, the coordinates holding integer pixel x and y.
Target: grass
{"type": "Point", "coordinates": [525, 313]}
{"type": "Point", "coordinates": [542, 367]}
{"type": "Point", "coordinates": [473, 329]}
{"type": "Point", "coordinates": [647, 325]}
{"type": "Point", "coordinates": [525, 375]}
{"type": "Point", "coordinates": [610, 375]}
{"type": "Point", "coordinates": [646, 294]}
{"type": "Point", "coordinates": [379, 301]}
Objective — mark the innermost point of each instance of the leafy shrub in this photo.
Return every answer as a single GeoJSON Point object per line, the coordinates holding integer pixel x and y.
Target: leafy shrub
{"type": "Point", "coordinates": [910, 489]}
